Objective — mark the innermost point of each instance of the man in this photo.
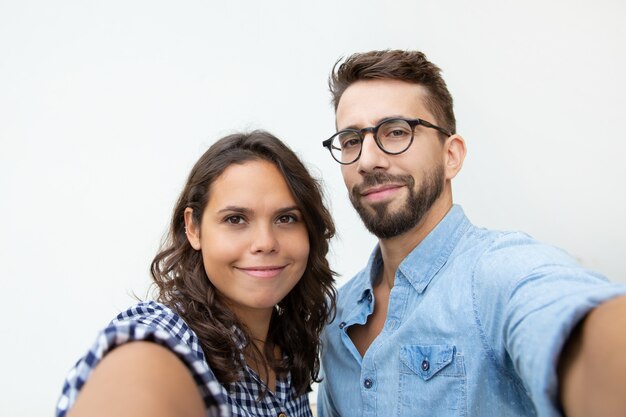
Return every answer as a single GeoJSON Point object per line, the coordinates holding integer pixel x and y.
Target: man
{"type": "Point", "coordinates": [448, 319]}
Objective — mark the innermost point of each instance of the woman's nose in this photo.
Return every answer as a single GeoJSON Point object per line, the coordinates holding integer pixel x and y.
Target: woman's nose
{"type": "Point", "coordinates": [264, 240]}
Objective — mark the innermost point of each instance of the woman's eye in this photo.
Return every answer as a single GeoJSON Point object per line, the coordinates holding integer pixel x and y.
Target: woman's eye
{"type": "Point", "coordinates": [287, 218]}
{"type": "Point", "coordinates": [234, 220]}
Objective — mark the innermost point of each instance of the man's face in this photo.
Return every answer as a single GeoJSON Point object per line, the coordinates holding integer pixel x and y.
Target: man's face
{"type": "Point", "coordinates": [391, 193]}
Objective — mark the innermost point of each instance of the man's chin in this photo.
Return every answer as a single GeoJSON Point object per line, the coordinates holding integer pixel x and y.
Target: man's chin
{"type": "Point", "coordinates": [385, 208]}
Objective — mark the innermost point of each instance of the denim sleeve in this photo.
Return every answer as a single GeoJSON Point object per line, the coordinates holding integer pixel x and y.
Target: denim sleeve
{"type": "Point", "coordinates": [528, 297]}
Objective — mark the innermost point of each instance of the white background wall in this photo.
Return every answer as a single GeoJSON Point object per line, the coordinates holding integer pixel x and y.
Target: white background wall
{"type": "Point", "coordinates": [105, 106]}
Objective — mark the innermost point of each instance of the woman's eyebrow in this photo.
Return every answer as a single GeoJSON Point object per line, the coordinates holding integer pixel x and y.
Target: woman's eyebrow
{"type": "Point", "coordinates": [288, 208]}
{"type": "Point", "coordinates": [245, 210]}
{"type": "Point", "coordinates": [236, 209]}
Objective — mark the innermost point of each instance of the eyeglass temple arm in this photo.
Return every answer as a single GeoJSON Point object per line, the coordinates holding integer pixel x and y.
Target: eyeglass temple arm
{"type": "Point", "coordinates": [432, 126]}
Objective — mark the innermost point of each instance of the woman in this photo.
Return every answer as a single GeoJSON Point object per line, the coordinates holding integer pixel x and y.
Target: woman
{"type": "Point", "coordinates": [244, 290]}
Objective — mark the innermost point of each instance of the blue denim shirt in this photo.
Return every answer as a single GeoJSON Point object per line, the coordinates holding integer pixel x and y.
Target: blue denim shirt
{"type": "Point", "coordinates": [475, 323]}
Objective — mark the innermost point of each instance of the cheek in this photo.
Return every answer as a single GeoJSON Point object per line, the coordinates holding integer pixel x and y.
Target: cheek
{"type": "Point", "coordinates": [219, 253]}
{"type": "Point", "coordinates": [304, 252]}
{"type": "Point", "coordinates": [299, 247]}
{"type": "Point", "coordinates": [302, 260]}
{"type": "Point", "coordinates": [347, 171]}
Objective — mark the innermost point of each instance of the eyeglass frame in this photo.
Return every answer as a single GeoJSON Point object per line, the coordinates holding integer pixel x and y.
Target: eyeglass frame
{"type": "Point", "coordinates": [374, 131]}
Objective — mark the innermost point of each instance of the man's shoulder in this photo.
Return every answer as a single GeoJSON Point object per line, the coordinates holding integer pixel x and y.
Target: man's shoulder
{"type": "Point", "coordinates": [515, 249]}
{"type": "Point", "coordinates": [494, 261]}
{"type": "Point", "coordinates": [504, 261]}
{"type": "Point", "coordinates": [484, 244]}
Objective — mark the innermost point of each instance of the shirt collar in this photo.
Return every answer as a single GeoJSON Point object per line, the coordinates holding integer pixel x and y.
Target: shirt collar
{"type": "Point", "coordinates": [427, 258]}
{"type": "Point", "coordinates": [421, 265]}
{"type": "Point", "coordinates": [374, 264]}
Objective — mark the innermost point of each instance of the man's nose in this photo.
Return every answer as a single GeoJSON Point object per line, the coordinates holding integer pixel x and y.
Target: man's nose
{"type": "Point", "coordinates": [372, 157]}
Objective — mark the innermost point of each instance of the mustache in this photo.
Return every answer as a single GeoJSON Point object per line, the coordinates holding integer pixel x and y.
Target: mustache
{"type": "Point", "coordinates": [381, 178]}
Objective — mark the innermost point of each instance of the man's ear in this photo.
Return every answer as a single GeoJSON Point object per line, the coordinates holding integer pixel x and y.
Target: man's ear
{"type": "Point", "coordinates": [454, 155]}
{"type": "Point", "coordinates": [192, 230]}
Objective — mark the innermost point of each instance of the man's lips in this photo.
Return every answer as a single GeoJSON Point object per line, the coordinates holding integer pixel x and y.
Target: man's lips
{"type": "Point", "coordinates": [262, 271]}
{"type": "Point", "coordinates": [381, 192]}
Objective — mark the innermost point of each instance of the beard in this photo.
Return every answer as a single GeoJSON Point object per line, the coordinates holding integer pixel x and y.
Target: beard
{"type": "Point", "coordinates": [379, 219]}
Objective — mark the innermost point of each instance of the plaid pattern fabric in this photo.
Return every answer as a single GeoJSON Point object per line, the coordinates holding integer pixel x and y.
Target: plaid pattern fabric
{"type": "Point", "coordinates": [155, 322]}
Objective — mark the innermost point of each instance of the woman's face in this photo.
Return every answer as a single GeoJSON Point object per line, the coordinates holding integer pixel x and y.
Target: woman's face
{"type": "Point", "coordinates": [252, 236]}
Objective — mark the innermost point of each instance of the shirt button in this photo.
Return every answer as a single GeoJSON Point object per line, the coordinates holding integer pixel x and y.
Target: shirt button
{"type": "Point", "coordinates": [367, 383]}
{"type": "Point", "coordinates": [425, 365]}
{"type": "Point", "coordinates": [342, 324]}
{"type": "Point", "coordinates": [282, 415]}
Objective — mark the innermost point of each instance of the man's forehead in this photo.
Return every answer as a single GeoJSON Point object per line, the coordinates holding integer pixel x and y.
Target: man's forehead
{"type": "Point", "coordinates": [367, 102]}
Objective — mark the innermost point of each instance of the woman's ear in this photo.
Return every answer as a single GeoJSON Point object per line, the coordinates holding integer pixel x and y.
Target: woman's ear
{"type": "Point", "coordinates": [454, 155]}
{"type": "Point", "coordinates": [192, 230]}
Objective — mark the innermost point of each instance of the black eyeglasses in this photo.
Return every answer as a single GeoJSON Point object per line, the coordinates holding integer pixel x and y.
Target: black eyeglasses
{"type": "Point", "coordinates": [393, 136]}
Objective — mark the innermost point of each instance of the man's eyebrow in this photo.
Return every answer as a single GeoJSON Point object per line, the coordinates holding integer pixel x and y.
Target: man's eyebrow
{"type": "Point", "coordinates": [393, 116]}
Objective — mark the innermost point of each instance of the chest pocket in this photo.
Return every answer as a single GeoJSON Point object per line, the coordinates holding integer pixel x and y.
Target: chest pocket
{"type": "Point", "coordinates": [432, 381]}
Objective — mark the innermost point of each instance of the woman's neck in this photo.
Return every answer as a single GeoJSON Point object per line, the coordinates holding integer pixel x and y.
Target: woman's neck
{"type": "Point", "coordinates": [257, 324]}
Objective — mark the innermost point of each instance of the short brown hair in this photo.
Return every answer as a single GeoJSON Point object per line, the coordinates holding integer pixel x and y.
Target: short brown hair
{"type": "Point", "coordinates": [410, 66]}
{"type": "Point", "coordinates": [183, 285]}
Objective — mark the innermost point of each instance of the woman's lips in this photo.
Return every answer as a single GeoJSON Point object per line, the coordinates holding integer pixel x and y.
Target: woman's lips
{"type": "Point", "coordinates": [262, 271]}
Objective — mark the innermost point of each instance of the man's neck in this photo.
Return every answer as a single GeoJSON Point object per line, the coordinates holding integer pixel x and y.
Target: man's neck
{"type": "Point", "coordinates": [395, 249]}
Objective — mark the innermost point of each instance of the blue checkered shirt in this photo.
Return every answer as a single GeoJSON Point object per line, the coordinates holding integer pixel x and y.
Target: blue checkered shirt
{"type": "Point", "coordinates": [155, 322]}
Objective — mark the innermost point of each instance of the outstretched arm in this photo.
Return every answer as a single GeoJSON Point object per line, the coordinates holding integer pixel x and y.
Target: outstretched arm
{"type": "Point", "coordinates": [592, 368]}
{"type": "Point", "coordinates": [139, 379]}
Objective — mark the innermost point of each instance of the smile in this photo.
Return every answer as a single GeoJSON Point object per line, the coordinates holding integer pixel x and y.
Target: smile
{"type": "Point", "coordinates": [262, 271]}
{"type": "Point", "coordinates": [381, 193]}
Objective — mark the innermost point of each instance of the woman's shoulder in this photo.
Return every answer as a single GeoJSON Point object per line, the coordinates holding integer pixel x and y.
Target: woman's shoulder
{"type": "Point", "coordinates": [147, 321]}
{"type": "Point", "coordinates": [147, 312]}
{"type": "Point", "coordinates": [139, 378]}
{"type": "Point", "coordinates": [153, 321]}
{"type": "Point", "coordinates": [154, 315]}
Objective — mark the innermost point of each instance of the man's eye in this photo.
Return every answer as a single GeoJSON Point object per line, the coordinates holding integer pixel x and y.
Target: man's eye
{"type": "Point", "coordinates": [398, 133]}
{"type": "Point", "coordinates": [348, 140]}
{"type": "Point", "coordinates": [351, 143]}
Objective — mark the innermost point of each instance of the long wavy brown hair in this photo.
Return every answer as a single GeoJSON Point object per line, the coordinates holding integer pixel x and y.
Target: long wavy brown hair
{"type": "Point", "coordinates": [183, 285]}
